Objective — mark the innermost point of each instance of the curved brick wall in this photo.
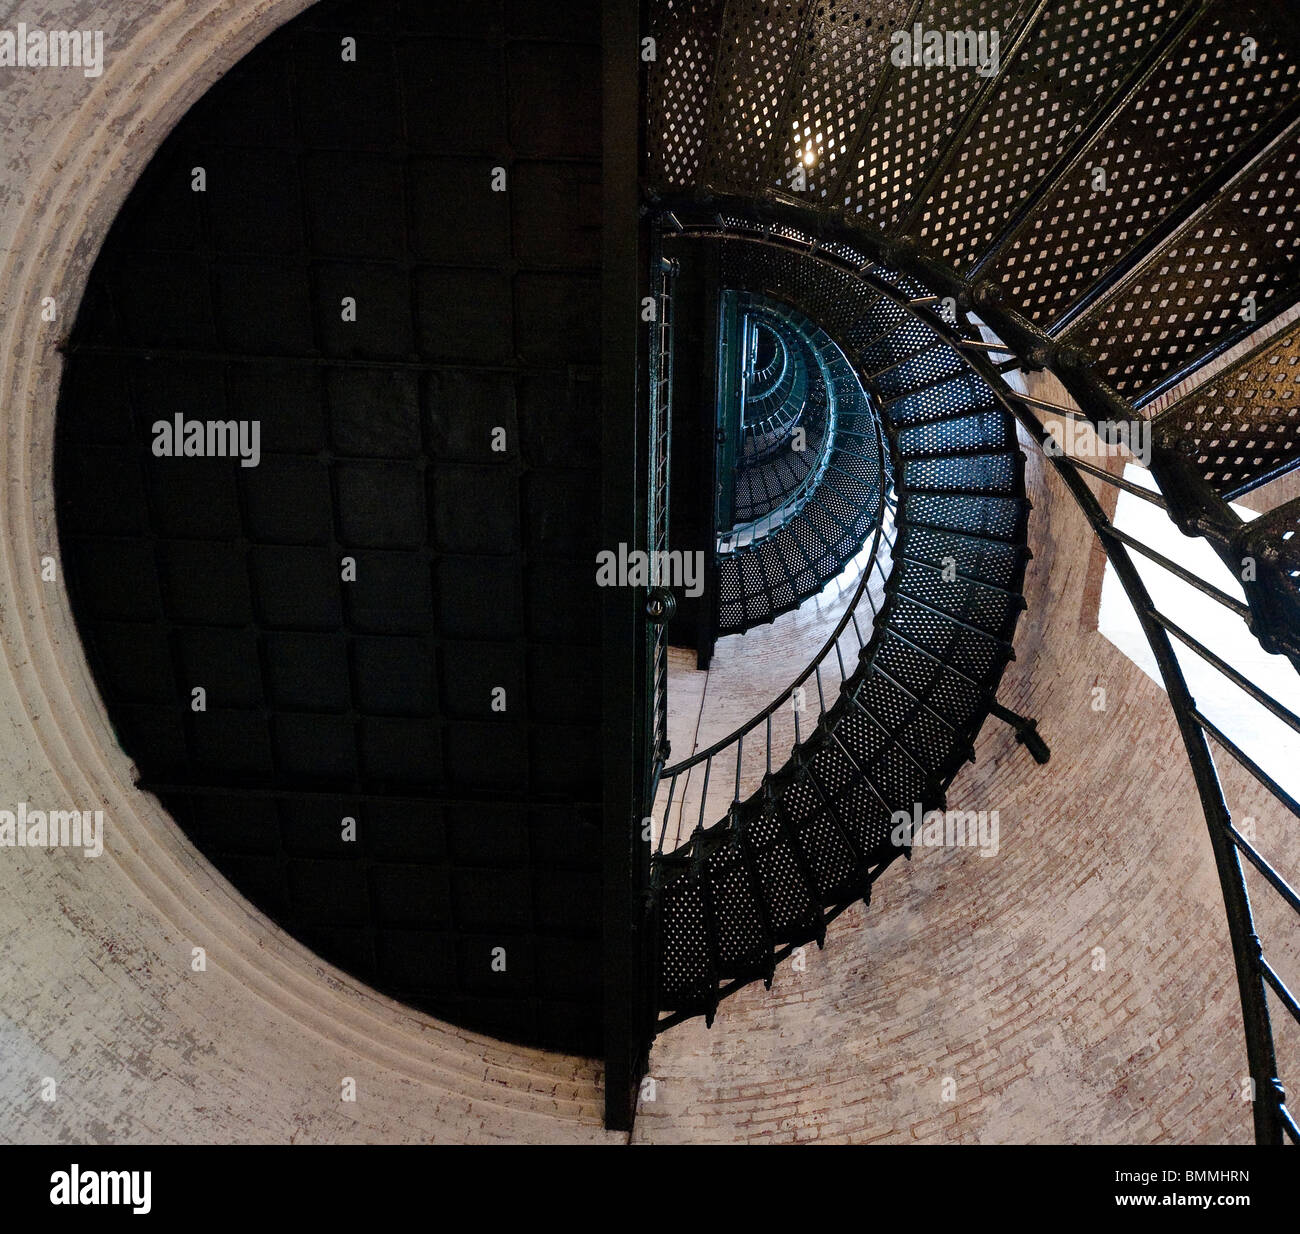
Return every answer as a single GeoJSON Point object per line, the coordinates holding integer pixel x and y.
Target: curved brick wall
{"type": "Point", "coordinates": [980, 970]}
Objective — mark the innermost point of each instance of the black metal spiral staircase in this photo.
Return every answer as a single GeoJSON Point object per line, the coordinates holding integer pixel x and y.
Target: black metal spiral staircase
{"type": "Point", "coordinates": [816, 832]}
{"type": "Point", "coordinates": [829, 502]}
{"type": "Point", "coordinates": [1113, 199]}
{"type": "Point", "coordinates": [786, 403]}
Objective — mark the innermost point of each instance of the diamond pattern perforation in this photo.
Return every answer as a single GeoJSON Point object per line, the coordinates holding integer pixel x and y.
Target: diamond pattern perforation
{"type": "Point", "coordinates": [1077, 56]}
{"type": "Point", "coordinates": [845, 48]}
{"type": "Point", "coordinates": [917, 113]}
{"type": "Point", "coordinates": [1275, 593]}
{"type": "Point", "coordinates": [758, 44]}
{"type": "Point", "coordinates": [1241, 254]}
{"type": "Point", "coordinates": [1244, 425]}
{"type": "Point", "coordinates": [681, 84]}
{"type": "Point", "coordinates": [1199, 109]}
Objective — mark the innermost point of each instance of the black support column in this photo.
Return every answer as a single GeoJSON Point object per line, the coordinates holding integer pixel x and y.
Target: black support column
{"type": "Point", "coordinates": [624, 449]}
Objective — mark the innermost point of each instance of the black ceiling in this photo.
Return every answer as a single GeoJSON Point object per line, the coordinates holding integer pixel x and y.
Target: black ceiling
{"type": "Point", "coordinates": [475, 310]}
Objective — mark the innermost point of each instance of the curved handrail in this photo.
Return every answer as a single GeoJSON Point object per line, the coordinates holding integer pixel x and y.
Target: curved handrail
{"type": "Point", "coordinates": [888, 504]}
{"type": "Point", "coordinates": [875, 259]}
{"type": "Point", "coordinates": [758, 527]}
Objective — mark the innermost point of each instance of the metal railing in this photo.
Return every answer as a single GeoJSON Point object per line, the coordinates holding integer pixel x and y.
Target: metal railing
{"type": "Point", "coordinates": [813, 395]}
{"type": "Point", "coordinates": [923, 289]}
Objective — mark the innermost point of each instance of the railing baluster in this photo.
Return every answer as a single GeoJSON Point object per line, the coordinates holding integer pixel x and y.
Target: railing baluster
{"type": "Point", "coordinates": [1156, 499]}
{"type": "Point", "coordinates": [1174, 568]}
{"type": "Point", "coordinates": [1279, 988]}
{"type": "Point", "coordinates": [668, 809]}
{"type": "Point", "coordinates": [704, 793]}
{"type": "Point", "coordinates": [1264, 700]}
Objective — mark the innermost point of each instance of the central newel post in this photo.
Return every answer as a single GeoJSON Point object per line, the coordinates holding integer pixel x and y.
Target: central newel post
{"type": "Point", "coordinates": [624, 448]}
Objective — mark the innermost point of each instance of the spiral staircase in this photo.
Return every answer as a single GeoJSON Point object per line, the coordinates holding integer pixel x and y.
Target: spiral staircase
{"type": "Point", "coordinates": [1110, 199]}
{"type": "Point", "coordinates": [801, 515]}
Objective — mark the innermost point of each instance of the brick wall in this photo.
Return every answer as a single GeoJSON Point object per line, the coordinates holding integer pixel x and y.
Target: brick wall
{"type": "Point", "coordinates": [981, 970]}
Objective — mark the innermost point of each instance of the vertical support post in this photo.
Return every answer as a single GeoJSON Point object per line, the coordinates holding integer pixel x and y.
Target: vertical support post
{"type": "Point", "coordinates": [709, 451]}
{"type": "Point", "coordinates": [625, 483]}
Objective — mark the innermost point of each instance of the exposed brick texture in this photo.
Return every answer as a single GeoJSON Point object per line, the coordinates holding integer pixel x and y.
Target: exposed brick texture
{"type": "Point", "coordinates": [980, 969]}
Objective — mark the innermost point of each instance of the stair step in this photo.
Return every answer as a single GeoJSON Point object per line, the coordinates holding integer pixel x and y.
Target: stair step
{"type": "Point", "coordinates": [994, 562]}
{"type": "Point", "coordinates": [973, 653]}
{"type": "Point", "coordinates": [992, 517]}
{"type": "Point", "coordinates": [894, 334]}
{"type": "Point", "coordinates": [740, 922]}
{"type": "Point", "coordinates": [928, 738]}
{"type": "Point", "coordinates": [990, 609]}
{"type": "Point", "coordinates": [1242, 427]}
{"type": "Point", "coordinates": [996, 474]}
{"type": "Point", "coordinates": [792, 911]}
{"type": "Point", "coordinates": [928, 679]}
{"type": "Point", "coordinates": [865, 817]}
{"type": "Point", "coordinates": [928, 369]}
{"type": "Point", "coordinates": [894, 779]}
{"type": "Point", "coordinates": [685, 979]}
{"type": "Point", "coordinates": [984, 431]}
{"type": "Point", "coordinates": [826, 852]}
{"type": "Point", "coordinates": [959, 396]}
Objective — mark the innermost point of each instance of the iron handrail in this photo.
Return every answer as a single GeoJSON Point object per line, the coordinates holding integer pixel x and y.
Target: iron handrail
{"type": "Point", "coordinates": [889, 505]}
{"type": "Point", "coordinates": [867, 254]}
{"type": "Point", "coordinates": [764, 525]}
